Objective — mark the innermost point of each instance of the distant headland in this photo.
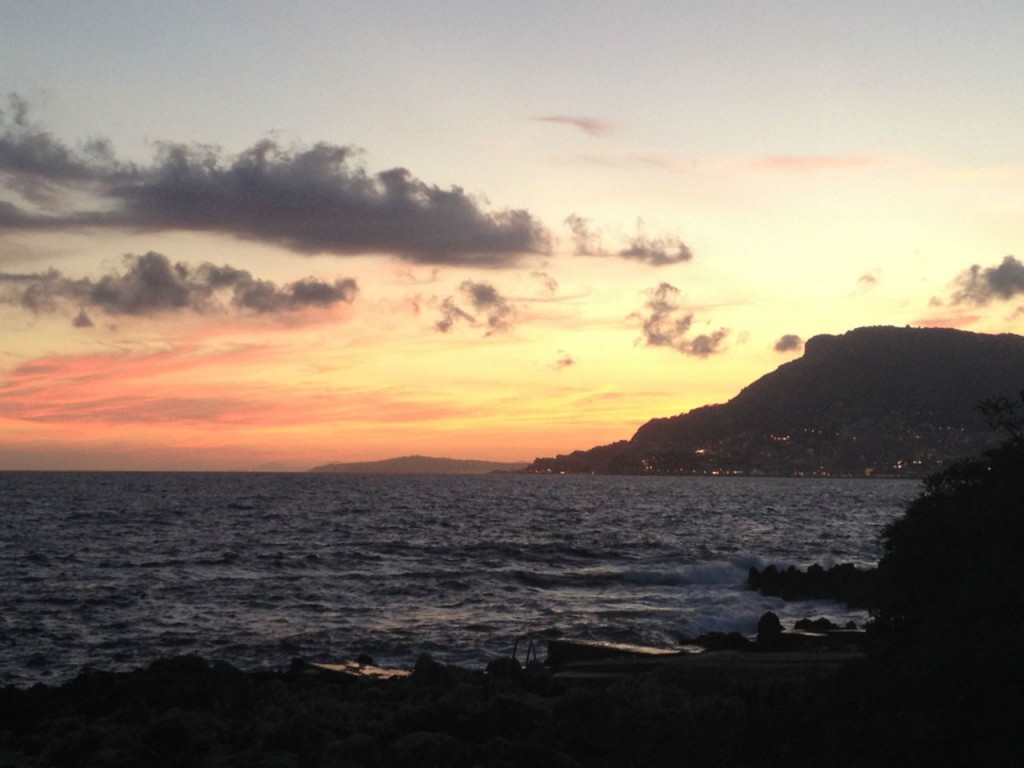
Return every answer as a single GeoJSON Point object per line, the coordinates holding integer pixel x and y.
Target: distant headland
{"type": "Point", "coordinates": [875, 401]}
{"type": "Point", "coordinates": [420, 465]}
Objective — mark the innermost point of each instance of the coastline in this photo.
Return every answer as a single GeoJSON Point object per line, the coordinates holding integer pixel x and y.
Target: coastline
{"type": "Point", "coordinates": [790, 698]}
{"type": "Point", "coordinates": [719, 708]}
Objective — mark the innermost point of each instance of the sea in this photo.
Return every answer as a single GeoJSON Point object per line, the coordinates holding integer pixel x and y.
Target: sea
{"type": "Point", "coordinates": [113, 570]}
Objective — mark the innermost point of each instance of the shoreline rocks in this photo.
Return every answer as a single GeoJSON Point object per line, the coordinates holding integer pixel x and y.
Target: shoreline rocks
{"type": "Point", "coordinates": [844, 583]}
{"type": "Point", "coordinates": [728, 708]}
{"type": "Point", "coordinates": [187, 711]}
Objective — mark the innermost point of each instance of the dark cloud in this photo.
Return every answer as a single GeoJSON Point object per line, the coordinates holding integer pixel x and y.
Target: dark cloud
{"type": "Point", "coordinates": [667, 324]}
{"type": "Point", "coordinates": [658, 252]}
{"type": "Point", "coordinates": [589, 125]}
{"type": "Point", "coordinates": [979, 285]}
{"type": "Point", "coordinates": [451, 314]}
{"type": "Point", "coordinates": [666, 321]}
{"type": "Point", "coordinates": [549, 282]}
{"type": "Point", "coordinates": [311, 200]}
{"type": "Point", "coordinates": [789, 343]}
{"type": "Point", "coordinates": [41, 292]}
{"type": "Point", "coordinates": [585, 242]}
{"type": "Point", "coordinates": [485, 300]}
{"type": "Point", "coordinates": [12, 217]}
{"type": "Point", "coordinates": [495, 307]}
{"type": "Point", "coordinates": [706, 344]}
{"type": "Point", "coordinates": [655, 251]}
{"type": "Point", "coordinates": [82, 320]}
{"type": "Point", "coordinates": [151, 284]}
{"type": "Point", "coordinates": [38, 166]}
{"type": "Point", "coordinates": [29, 151]}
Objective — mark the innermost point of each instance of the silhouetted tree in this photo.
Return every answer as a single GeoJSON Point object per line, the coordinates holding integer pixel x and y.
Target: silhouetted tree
{"type": "Point", "coordinates": [953, 565]}
{"type": "Point", "coordinates": [1005, 414]}
{"type": "Point", "coordinates": [950, 621]}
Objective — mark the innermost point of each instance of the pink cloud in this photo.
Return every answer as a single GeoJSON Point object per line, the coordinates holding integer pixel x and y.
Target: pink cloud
{"type": "Point", "coordinates": [946, 321]}
{"type": "Point", "coordinates": [189, 389]}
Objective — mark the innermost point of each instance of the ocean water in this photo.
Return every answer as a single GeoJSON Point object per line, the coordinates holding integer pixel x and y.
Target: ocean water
{"type": "Point", "coordinates": [111, 570]}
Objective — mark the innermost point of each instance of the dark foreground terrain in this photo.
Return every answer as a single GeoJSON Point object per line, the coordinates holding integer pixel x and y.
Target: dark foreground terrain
{"type": "Point", "coordinates": [718, 709]}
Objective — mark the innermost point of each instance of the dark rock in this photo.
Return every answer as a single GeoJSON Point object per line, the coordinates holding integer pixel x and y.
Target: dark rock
{"type": "Point", "coordinates": [843, 583]}
{"type": "Point", "coordinates": [505, 668]}
{"type": "Point", "coordinates": [768, 629]}
{"type": "Point", "coordinates": [724, 641]}
{"type": "Point", "coordinates": [424, 748]}
{"type": "Point", "coordinates": [429, 672]}
{"type": "Point", "coordinates": [537, 677]}
{"type": "Point", "coordinates": [710, 715]}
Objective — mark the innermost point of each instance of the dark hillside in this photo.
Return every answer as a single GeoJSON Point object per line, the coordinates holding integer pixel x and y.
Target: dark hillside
{"type": "Point", "coordinates": [875, 400]}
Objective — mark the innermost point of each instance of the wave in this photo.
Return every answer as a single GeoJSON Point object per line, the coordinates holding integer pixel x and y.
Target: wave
{"type": "Point", "coordinates": [711, 574]}
{"type": "Point", "coordinates": [460, 567]}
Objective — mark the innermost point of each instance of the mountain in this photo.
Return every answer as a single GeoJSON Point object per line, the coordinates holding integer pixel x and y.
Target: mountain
{"type": "Point", "coordinates": [420, 465]}
{"type": "Point", "coordinates": [872, 401]}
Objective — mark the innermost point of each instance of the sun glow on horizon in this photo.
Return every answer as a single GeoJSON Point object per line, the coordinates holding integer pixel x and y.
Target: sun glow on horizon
{"type": "Point", "coordinates": [478, 246]}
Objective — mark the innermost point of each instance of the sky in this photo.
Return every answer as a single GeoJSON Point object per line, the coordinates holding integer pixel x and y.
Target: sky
{"type": "Point", "coordinates": [259, 235]}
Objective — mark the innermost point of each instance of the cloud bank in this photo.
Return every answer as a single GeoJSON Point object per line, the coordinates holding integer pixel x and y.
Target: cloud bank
{"type": "Point", "coordinates": [150, 284]}
{"type": "Point", "coordinates": [311, 200]}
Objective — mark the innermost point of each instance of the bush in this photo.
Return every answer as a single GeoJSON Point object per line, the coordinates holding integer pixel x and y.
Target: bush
{"type": "Point", "coordinates": [949, 628]}
{"type": "Point", "coordinates": [952, 572]}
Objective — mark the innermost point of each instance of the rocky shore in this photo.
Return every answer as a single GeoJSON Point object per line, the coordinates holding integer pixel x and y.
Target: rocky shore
{"type": "Point", "coordinates": [187, 712]}
{"type": "Point", "coordinates": [843, 583]}
{"type": "Point", "coordinates": [806, 695]}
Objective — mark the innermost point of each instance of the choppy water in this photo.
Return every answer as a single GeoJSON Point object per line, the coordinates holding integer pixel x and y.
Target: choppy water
{"type": "Point", "coordinates": [112, 570]}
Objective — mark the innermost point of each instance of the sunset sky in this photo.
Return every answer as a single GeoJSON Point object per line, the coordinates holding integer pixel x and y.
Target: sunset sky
{"type": "Point", "coordinates": [263, 235]}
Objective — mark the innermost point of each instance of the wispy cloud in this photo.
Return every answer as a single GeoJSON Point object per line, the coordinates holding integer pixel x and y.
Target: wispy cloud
{"type": "Point", "coordinates": [656, 251]}
{"type": "Point", "coordinates": [309, 199]}
{"type": "Point", "coordinates": [868, 280]}
{"type": "Point", "coordinates": [113, 390]}
{"type": "Point", "coordinates": [590, 125]}
{"type": "Point", "coordinates": [585, 241]}
{"type": "Point", "coordinates": [483, 299]}
{"type": "Point", "coordinates": [151, 284]}
{"type": "Point", "coordinates": [666, 323]}
{"type": "Point", "coordinates": [549, 283]}
{"type": "Point", "coordinates": [947, 321]}
{"type": "Point", "coordinates": [659, 251]}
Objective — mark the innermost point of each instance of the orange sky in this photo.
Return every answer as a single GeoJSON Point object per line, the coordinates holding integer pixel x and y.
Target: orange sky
{"type": "Point", "coordinates": [269, 237]}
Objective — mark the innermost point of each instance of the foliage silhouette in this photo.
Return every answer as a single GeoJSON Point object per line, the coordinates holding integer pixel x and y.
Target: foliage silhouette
{"type": "Point", "coordinates": [958, 552]}
{"type": "Point", "coordinates": [949, 627]}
